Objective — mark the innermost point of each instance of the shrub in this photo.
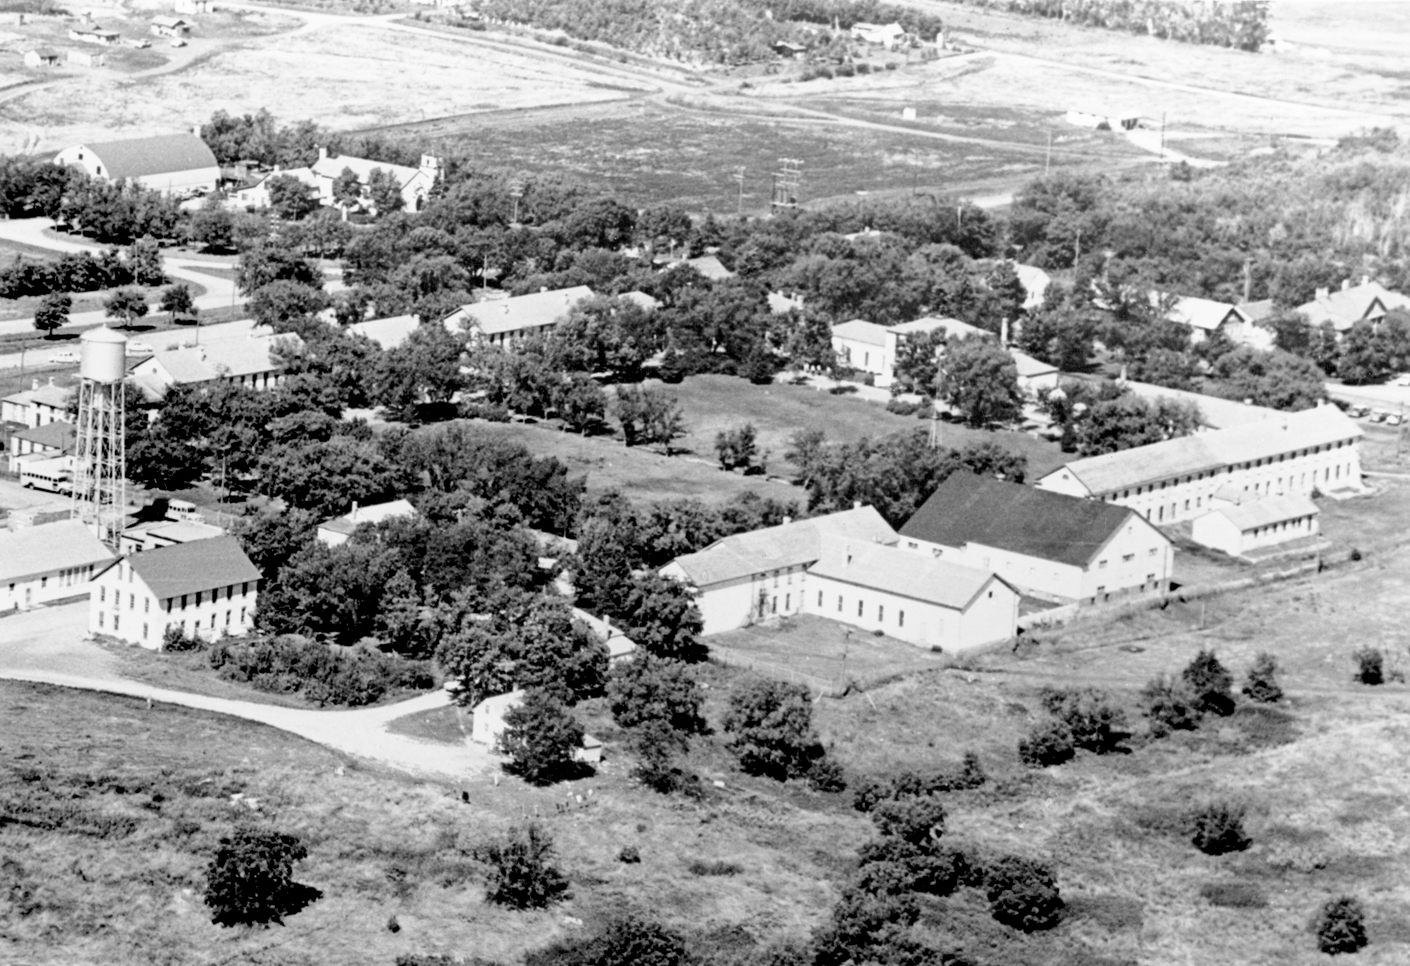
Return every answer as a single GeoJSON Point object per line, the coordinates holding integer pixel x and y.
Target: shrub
{"type": "Point", "coordinates": [175, 639]}
{"type": "Point", "coordinates": [771, 729]}
{"type": "Point", "coordinates": [893, 866]}
{"type": "Point", "coordinates": [522, 873]}
{"type": "Point", "coordinates": [901, 407]}
{"type": "Point", "coordinates": [858, 919]}
{"type": "Point", "coordinates": [1210, 683]}
{"type": "Point", "coordinates": [656, 746]}
{"type": "Point", "coordinates": [541, 738]}
{"type": "Point", "coordinates": [1169, 706]}
{"type": "Point", "coordinates": [1219, 829]}
{"type": "Point", "coordinates": [1234, 895]}
{"type": "Point", "coordinates": [1341, 927]}
{"type": "Point", "coordinates": [321, 673]}
{"type": "Point", "coordinates": [1262, 682]}
{"type": "Point", "coordinates": [919, 821]}
{"type": "Point", "coordinates": [864, 68]}
{"type": "Point", "coordinates": [647, 689]}
{"type": "Point", "coordinates": [1370, 665]}
{"type": "Point", "coordinates": [716, 867]}
{"type": "Point", "coordinates": [251, 878]}
{"type": "Point", "coordinates": [1096, 724]}
{"type": "Point", "coordinates": [1022, 893]}
{"type": "Point", "coordinates": [630, 855]}
{"type": "Point", "coordinates": [870, 791]}
{"type": "Point", "coordinates": [1047, 744]}
{"type": "Point", "coordinates": [826, 775]}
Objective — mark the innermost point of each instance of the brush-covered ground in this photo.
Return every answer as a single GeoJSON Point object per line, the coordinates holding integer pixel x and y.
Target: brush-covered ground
{"type": "Point", "coordinates": [109, 812]}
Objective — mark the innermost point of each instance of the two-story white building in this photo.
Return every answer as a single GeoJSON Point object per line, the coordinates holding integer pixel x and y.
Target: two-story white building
{"type": "Point", "coordinates": [1048, 545]}
{"type": "Point", "coordinates": [40, 404]}
{"type": "Point", "coordinates": [207, 588]}
{"type": "Point", "coordinates": [871, 348]}
{"type": "Point", "coordinates": [1315, 450]}
{"type": "Point", "coordinates": [503, 322]}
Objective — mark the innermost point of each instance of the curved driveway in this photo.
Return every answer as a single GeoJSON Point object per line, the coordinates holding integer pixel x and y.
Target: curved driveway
{"type": "Point", "coordinates": [47, 646]}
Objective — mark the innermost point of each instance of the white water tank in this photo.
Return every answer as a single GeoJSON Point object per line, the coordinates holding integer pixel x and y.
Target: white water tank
{"type": "Point", "coordinates": [102, 355]}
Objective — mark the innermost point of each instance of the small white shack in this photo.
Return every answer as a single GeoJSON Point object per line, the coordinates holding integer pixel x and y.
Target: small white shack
{"type": "Point", "coordinates": [1257, 524]}
{"type": "Point", "coordinates": [487, 725]}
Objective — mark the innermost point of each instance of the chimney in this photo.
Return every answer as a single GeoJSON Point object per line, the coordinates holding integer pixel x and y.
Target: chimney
{"type": "Point", "coordinates": [1345, 284]}
{"type": "Point", "coordinates": [1321, 403]}
{"type": "Point", "coordinates": [323, 154]}
{"type": "Point", "coordinates": [354, 512]}
{"type": "Point", "coordinates": [1004, 331]}
{"type": "Point", "coordinates": [856, 504]}
{"type": "Point", "coordinates": [51, 380]}
{"type": "Point", "coordinates": [35, 384]}
{"type": "Point", "coordinates": [788, 520]}
{"type": "Point", "coordinates": [1365, 279]}
{"type": "Point", "coordinates": [542, 289]}
{"type": "Point", "coordinates": [196, 130]}
{"type": "Point", "coordinates": [1322, 294]}
{"type": "Point", "coordinates": [849, 554]}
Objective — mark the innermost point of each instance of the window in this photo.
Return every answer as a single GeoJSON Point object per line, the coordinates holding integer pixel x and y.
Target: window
{"type": "Point", "coordinates": [115, 622]}
{"type": "Point", "coordinates": [839, 603]}
{"type": "Point", "coordinates": [1150, 578]}
{"type": "Point", "coordinates": [227, 618]}
{"type": "Point", "coordinates": [198, 597]}
{"type": "Point", "coordinates": [880, 613]}
{"type": "Point", "coordinates": [1101, 564]}
{"type": "Point", "coordinates": [819, 598]}
{"type": "Point", "coordinates": [131, 601]}
{"type": "Point", "coordinates": [245, 587]}
{"type": "Point", "coordinates": [146, 605]}
{"type": "Point", "coordinates": [43, 582]}
{"type": "Point", "coordinates": [212, 622]}
{"type": "Point", "coordinates": [1152, 551]}
{"type": "Point", "coordinates": [773, 606]}
{"type": "Point", "coordinates": [215, 596]}
{"type": "Point", "coordinates": [102, 593]}
{"type": "Point", "coordinates": [100, 618]}
{"type": "Point", "coordinates": [901, 618]}
{"type": "Point", "coordinates": [910, 544]}
{"type": "Point", "coordinates": [242, 617]}
{"type": "Point", "coordinates": [787, 604]}
{"type": "Point", "coordinates": [144, 632]}
{"type": "Point", "coordinates": [183, 601]}
{"type": "Point", "coordinates": [859, 608]}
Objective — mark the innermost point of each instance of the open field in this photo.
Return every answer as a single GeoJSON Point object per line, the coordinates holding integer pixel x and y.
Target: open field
{"type": "Point", "coordinates": [716, 403]}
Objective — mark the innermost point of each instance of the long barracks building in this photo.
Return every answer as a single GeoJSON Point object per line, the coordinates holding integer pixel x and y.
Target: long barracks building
{"type": "Point", "coordinates": [1170, 481]}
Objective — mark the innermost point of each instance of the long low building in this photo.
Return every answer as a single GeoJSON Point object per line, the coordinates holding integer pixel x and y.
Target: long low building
{"type": "Point", "coordinates": [506, 321]}
{"type": "Point", "coordinates": [1048, 545]}
{"type": "Point", "coordinates": [1315, 450]}
{"type": "Point", "coordinates": [48, 562]}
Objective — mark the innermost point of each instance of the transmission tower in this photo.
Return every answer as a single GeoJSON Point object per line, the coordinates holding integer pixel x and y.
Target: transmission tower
{"type": "Point", "coordinates": [100, 460]}
{"type": "Point", "coordinates": [787, 181]}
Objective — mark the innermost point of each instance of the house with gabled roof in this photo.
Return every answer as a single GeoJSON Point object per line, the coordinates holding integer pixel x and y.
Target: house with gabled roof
{"type": "Point", "coordinates": [1243, 527]}
{"type": "Point", "coordinates": [759, 574]}
{"type": "Point", "coordinates": [41, 403]}
{"type": "Point", "coordinates": [414, 184]}
{"type": "Point", "coordinates": [1344, 307]}
{"type": "Point", "coordinates": [388, 333]}
{"type": "Point", "coordinates": [253, 361]}
{"type": "Point", "coordinates": [506, 321]}
{"type": "Point", "coordinates": [180, 164]}
{"type": "Point", "coordinates": [207, 588]}
{"type": "Point", "coordinates": [338, 530]}
{"type": "Point", "coordinates": [48, 562]}
{"type": "Point", "coordinates": [1205, 317]}
{"type": "Point", "coordinates": [868, 347]}
{"type": "Point", "coordinates": [1174, 480]}
{"type": "Point", "coordinates": [1049, 545]}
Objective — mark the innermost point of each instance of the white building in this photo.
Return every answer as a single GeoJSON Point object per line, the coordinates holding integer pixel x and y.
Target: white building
{"type": "Point", "coordinates": [1166, 482]}
{"type": "Point", "coordinates": [388, 333]}
{"type": "Point", "coordinates": [1048, 545]}
{"type": "Point", "coordinates": [165, 533]}
{"type": "Point", "coordinates": [1034, 374]}
{"type": "Point", "coordinates": [413, 183]}
{"type": "Point", "coordinates": [752, 576]}
{"type": "Point", "coordinates": [173, 163]}
{"type": "Point", "coordinates": [868, 347]}
{"type": "Point", "coordinates": [48, 562]}
{"type": "Point", "coordinates": [506, 321]}
{"type": "Point", "coordinates": [1250, 525]}
{"type": "Point", "coordinates": [888, 35]}
{"type": "Point", "coordinates": [41, 403]}
{"type": "Point", "coordinates": [932, 603]}
{"type": "Point", "coordinates": [337, 531]}
{"type": "Point", "coordinates": [207, 588]}
{"type": "Point", "coordinates": [1206, 317]}
{"type": "Point", "coordinates": [487, 725]}
{"type": "Point", "coordinates": [252, 361]}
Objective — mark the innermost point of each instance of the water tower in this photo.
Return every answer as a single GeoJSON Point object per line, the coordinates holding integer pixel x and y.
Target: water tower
{"type": "Point", "coordinates": [100, 461]}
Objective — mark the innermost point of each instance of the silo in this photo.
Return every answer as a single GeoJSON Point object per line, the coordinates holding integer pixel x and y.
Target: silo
{"type": "Point", "coordinates": [103, 356]}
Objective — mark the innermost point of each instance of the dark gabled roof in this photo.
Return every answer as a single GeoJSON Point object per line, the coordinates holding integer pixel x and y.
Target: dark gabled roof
{"type": "Point", "coordinates": [163, 154]}
{"type": "Point", "coordinates": [968, 508]}
{"type": "Point", "coordinates": [56, 435]}
{"type": "Point", "coordinates": [186, 568]}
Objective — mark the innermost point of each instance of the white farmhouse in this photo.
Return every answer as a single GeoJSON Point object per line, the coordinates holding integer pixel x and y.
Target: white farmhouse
{"type": "Point", "coordinates": [207, 588]}
{"type": "Point", "coordinates": [48, 562]}
{"type": "Point", "coordinates": [413, 183]}
{"type": "Point", "coordinates": [868, 347]}
{"type": "Point", "coordinates": [40, 404]}
{"type": "Point", "coordinates": [339, 530]}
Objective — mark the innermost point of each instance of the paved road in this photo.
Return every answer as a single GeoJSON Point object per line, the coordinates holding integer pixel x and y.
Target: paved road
{"type": "Point", "coordinates": [47, 645]}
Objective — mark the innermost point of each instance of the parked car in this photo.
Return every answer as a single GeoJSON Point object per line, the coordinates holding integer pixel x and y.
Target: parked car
{"type": "Point", "coordinates": [178, 42]}
{"type": "Point", "coordinates": [1393, 419]}
{"type": "Point", "coordinates": [1357, 412]}
{"type": "Point", "coordinates": [64, 357]}
{"type": "Point", "coordinates": [141, 43]}
{"type": "Point", "coordinates": [139, 349]}
{"type": "Point", "coordinates": [1379, 415]}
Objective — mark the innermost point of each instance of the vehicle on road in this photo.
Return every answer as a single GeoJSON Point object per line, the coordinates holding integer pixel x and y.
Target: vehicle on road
{"type": "Point", "coordinates": [43, 476]}
{"type": "Point", "coordinates": [139, 349]}
{"type": "Point", "coordinates": [1394, 419]}
{"type": "Point", "coordinates": [178, 42]}
{"type": "Point", "coordinates": [1356, 412]}
{"type": "Point", "coordinates": [64, 357]}
{"type": "Point", "coordinates": [1379, 415]}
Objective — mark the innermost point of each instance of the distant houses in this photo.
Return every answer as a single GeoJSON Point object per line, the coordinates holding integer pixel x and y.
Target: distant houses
{"type": "Point", "coordinates": [41, 57]}
{"type": "Point", "coordinates": [1344, 307]}
{"type": "Point", "coordinates": [388, 333]}
{"type": "Point", "coordinates": [41, 403]}
{"type": "Point", "coordinates": [171, 163]}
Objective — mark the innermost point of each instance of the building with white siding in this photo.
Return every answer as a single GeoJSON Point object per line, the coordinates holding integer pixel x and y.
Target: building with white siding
{"type": "Point", "coordinates": [207, 588]}
{"type": "Point", "coordinates": [1315, 450]}
{"type": "Point", "coordinates": [48, 562]}
{"type": "Point", "coordinates": [40, 404]}
{"type": "Point", "coordinates": [871, 348]}
{"type": "Point", "coordinates": [1251, 525]}
{"type": "Point", "coordinates": [1048, 545]}
{"type": "Point", "coordinates": [506, 321]}
{"type": "Point", "coordinates": [339, 530]}
{"type": "Point", "coordinates": [172, 163]}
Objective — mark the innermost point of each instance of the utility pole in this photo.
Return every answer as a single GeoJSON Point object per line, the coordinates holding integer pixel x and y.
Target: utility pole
{"type": "Point", "coordinates": [1048, 161]}
{"type": "Point", "coordinates": [1162, 136]}
{"type": "Point", "coordinates": [739, 176]}
{"type": "Point", "coordinates": [516, 191]}
{"type": "Point", "coordinates": [787, 183]}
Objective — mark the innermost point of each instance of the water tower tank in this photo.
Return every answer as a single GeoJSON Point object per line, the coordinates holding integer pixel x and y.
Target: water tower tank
{"type": "Point", "coordinates": [102, 355]}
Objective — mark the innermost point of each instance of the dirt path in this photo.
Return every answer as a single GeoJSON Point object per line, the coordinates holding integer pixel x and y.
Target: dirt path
{"type": "Point", "coordinates": [47, 646]}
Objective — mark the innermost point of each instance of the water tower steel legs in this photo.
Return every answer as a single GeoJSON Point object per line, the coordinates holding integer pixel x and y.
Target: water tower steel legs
{"type": "Point", "coordinates": [100, 461]}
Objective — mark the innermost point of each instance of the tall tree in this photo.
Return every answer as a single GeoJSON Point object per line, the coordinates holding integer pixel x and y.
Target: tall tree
{"type": "Point", "coordinates": [126, 304]}
{"type": "Point", "coordinates": [980, 380]}
{"type": "Point", "coordinates": [52, 312]}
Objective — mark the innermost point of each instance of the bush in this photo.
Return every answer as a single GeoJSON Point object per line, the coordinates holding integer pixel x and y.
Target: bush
{"type": "Point", "coordinates": [1095, 723]}
{"type": "Point", "coordinates": [1262, 682]}
{"type": "Point", "coordinates": [1169, 706]}
{"type": "Point", "coordinates": [175, 639]}
{"type": "Point", "coordinates": [522, 873]}
{"type": "Point", "coordinates": [870, 791]}
{"type": "Point", "coordinates": [1047, 744]}
{"type": "Point", "coordinates": [1341, 927]}
{"type": "Point", "coordinates": [630, 855]}
{"type": "Point", "coordinates": [1234, 895]}
{"type": "Point", "coordinates": [656, 746]}
{"type": "Point", "coordinates": [1219, 829]}
{"type": "Point", "coordinates": [541, 738]}
{"type": "Point", "coordinates": [647, 689]}
{"type": "Point", "coordinates": [1022, 894]}
{"type": "Point", "coordinates": [1210, 683]}
{"type": "Point", "coordinates": [917, 821]}
{"type": "Point", "coordinates": [826, 775]}
{"type": "Point", "coordinates": [626, 941]}
{"type": "Point", "coordinates": [901, 407]}
{"type": "Point", "coordinates": [251, 878]}
{"type": "Point", "coordinates": [322, 673]}
{"type": "Point", "coordinates": [771, 729]}
{"type": "Point", "coordinates": [1370, 665]}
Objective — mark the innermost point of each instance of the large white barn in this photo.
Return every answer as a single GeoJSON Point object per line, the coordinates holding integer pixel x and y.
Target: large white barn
{"type": "Point", "coordinates": [173, 163]}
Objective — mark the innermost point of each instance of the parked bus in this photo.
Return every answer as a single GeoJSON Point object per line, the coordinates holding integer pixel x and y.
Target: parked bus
{"type": "Point", "coordinates": [56, 476]}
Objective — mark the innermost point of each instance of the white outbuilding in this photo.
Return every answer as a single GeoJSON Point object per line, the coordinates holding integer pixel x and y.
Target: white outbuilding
{"type": "Point", "coordinates": [48, 562]}
{"type": "Point", "coordinates": [1239, 529]}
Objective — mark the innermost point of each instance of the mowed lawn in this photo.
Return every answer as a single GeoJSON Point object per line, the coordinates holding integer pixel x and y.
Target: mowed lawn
{"type": "Point", "coordinates": [713, 404]}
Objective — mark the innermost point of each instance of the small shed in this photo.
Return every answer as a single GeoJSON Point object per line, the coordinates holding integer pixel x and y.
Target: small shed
{"type": "Point", "coordinates": [1257, 524]}
{"type": "Point", "coordinates": [788, 50]}
{"type": "Point", "coordinates": [171, 27]}
{"type": "Point", "coordinates": [41, 57]}
{"type": "Point", "coordinates": [87, 58]}
{"type": "Point", "coordinates": [95, 35]}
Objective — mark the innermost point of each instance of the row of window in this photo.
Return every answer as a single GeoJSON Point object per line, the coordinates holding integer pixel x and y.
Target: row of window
{"type": "Point", "coordinates": [861, 610]}
{"type": "Point", "coordinates": [1210, 474]}
{"type": "Point", "coordinates": [1298, 524]}
{"type": "Point", "coordinates": [195, 625]}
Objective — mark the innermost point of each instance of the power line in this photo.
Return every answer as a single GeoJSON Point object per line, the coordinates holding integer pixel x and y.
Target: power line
{"type": "Point", "coordinates": [787, 181]}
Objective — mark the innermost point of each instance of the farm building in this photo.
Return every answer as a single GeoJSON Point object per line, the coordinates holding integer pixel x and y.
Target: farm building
{"type": "Point", "coordinates": [173, 163]}
{"type": "Point", "coordinates": [1249, 525]}
{"type": "Point", "coordinates": [41, 57]}
{"type": "Point", "coordinates": [707, 265]}
{"type": "Point", "coordinates": [95, 35]}
{"type": "Point", "coordinates": [336, 531]}
{"type": "Point", "coordinates": [505, 321]}
{"type": "Point", "coordinates": [1174, 480]}
{"type": "Point", "coordinates": [48, 562]}
{"type": "Point", "coordinates": [252, 361]}
{"type": "Point", "coordinates": [1048, 545]}
{"type": "Point", "coordinates": [932, 603]}
{"type": "Point", "coordinates": [1033, 374]}
{"type": "Point", "coordinates": [888, 35]}
{"type": "Point", "coordinates": [487, 725]}
{"type": "Point", "coordinates": [165, 26]}
{"type": "Point", "coordinates": [1035, 283]}
{"type": "Point", "coordinates": [41, 403]}
{"type": "Point", "coordinates": [388, 333]}
{"type": "Point", "coordinates": [207, 588]}
{"type": "Point", "coordinates": [1206, 317]}
{"type": "Point", "coordinates": [1215, 412]}
{"type": "Point", "coordinates": [868, 347]}
{"type": "Point", "coordinates": [414, 183]}
{"type": "Point", "coordinates": [86, 58]}
{"type": "Point", "coordinates": [751, 576]}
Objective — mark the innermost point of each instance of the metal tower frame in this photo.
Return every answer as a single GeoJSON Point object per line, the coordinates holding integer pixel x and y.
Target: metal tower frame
{"type": "Point", "coordinates": [100, 459]}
